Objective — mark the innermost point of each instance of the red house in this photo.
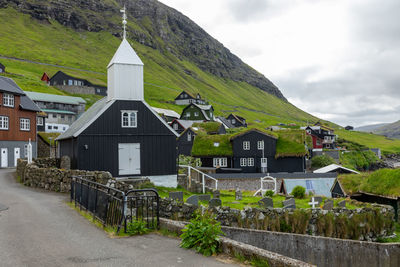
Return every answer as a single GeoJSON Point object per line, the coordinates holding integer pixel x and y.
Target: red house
{"type": "Point", "coordinates": [45, 77]}
{"type": "Point", "coordinates": [322, 136]}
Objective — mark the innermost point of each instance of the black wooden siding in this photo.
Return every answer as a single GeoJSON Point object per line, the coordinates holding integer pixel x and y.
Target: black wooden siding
{"type": "Point", "coordinates": [209, 161]}
{"type": "Point", "coordinates": [337, 191]}
{"type": "Point", "coordinates": [157, 142]}
{"type": "Point", "coordinates": [185, 146]}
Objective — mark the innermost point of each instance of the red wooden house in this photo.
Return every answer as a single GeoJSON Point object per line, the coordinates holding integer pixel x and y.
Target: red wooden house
{"type": "Point", "coordinates": [45, 77]}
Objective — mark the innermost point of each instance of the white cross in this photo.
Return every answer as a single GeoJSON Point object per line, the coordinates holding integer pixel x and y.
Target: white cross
{"type": "Point", "coordinates": [312, 203]}
{"type": "Point", "coordinates": [123, 11]}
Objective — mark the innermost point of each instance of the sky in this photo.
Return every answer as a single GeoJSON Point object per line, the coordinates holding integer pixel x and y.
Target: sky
{"type": "Point", "coordinates": [336, 59]}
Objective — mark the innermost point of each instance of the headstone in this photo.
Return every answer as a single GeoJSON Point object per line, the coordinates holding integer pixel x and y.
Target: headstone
{"type": "Point", "coordinates": [342, 204]}
{"type": "Point", "coordinates": [65, 163]}
{"type": "Point", "coordinates": [215, 202]}
{"type": "Point", "coordinates": [266, 202]}
{"type": "Point", "coordinates": [176, 195]}
{"type": "Point", "coordinates": [194, 200]}
{"type": "Point", "coordinates": [313, 203]}
{"type": "Point", "coordinates": [328, 205]}
{"type": "Point", "coordinates": [238, 194]}
{"type": "Point", "coordinates": [289, 197]}
{"type": "Point", "coordinates": [204, 197]}
{"type": "Point", "coordinates": [318, 199]}
{"type": "Point", "coordinates": [290, 206]}
{"type": "Point", "coordinates": [216, 194]}
{"type": "Point", "coordinates": [289, 202]}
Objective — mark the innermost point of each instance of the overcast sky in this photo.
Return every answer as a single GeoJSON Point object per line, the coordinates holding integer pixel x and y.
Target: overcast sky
{"type": "Point", "coordinates": [336, 59]}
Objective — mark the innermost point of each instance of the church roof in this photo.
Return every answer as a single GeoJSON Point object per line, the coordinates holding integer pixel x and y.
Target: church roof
{"type": "Point", "coordinates": [125, 55]}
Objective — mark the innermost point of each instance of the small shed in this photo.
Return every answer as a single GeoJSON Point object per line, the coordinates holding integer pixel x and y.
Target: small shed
{"type": "Point", "coordinates": [335, 168]}
{"type": "Point", "coordinates": [317, 186]}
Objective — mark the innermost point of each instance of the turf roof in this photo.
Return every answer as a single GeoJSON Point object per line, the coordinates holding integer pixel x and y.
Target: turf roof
{"type": "Point", "coordinates": [205, 145]}
{"type": "Point", "coordinates": [207, 127]}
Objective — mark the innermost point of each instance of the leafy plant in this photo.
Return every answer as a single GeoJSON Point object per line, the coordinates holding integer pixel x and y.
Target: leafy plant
{"type": "Point", "coordinates": [269, 193]}
{"type": "Point", "coordinates": [202, 233]}
{"type": "Point", "coordinates": [137, 228]}
{"type": "Point", "coordinates": [299, 191]}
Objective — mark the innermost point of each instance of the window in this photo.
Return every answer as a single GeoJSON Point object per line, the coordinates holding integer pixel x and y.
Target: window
{"type": "Point", "coordinates": [233, 121]}
{"type": "Point", "coordinates": [3, 123]}
{"type": "Point", "coordinates": [309, 185]}
{"type": "Point", "coordinates": [40, 121]}
{"type": "Point", "coordinates": [24, 124]}
{"type": "Point", "coordinates": [243, 162]}
{"type": "Point", "coordinates": [220, 162]}
{"type": "Point", "coordinates": [196, 114]}
{"type": "Point", "coordinates": [189, 137]}
{"type": "Point", "coordinates": [8, 100]}
{"type": "Point", "coordinates": [260, 145]}
{"type": "Point", "coordinates": [129, 119]}
{"type": "Point", "coordinates": [69, 82]}
{"type": "Point", "coordinates": [62, 116]}
{"type": "Point", "coordinates": [318, 142]}
{"type": "Point", "coordinates": [54, 116]}
{"type": "Point", "coordinates": [55, 127]}
{"type": "Point", "coordinates": [64, 83]}
{"type": "Point", "coordinates": [187, 115]}
{"type": "Point", "coordinates": [250, 162]}
{"type": "Point", "coordinates": [175, 126]}
{"type": "Point", "coordinates": [49, 127]}
{"type": "Point", "coordinates": [246, 145]}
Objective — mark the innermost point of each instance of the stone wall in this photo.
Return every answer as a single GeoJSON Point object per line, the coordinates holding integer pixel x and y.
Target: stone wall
{"type": "Point", "coordinates": [321, 251]}
{"type": "Point", "coordinates": [361, 224]}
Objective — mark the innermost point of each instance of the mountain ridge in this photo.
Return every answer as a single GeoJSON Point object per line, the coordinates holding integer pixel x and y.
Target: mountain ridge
{"type": "Point", "coordinates": [161, 27]}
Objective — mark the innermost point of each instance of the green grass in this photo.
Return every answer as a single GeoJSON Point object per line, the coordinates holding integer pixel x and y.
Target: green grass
{"type": "Point", "coordinates": [385, 182]}
{"type": "Point", "coordinates": [395, 239]}
{"type": "Point", "coordinates": [291, 143]}
{"type": "Point", "coordinates": [47, 136]}
{"type": "Point", "coordinates": [208, 127]}
{"type": "Point", "coordinates": [203, 145]}
{"type": "Point", "coordinates": [358, 160]}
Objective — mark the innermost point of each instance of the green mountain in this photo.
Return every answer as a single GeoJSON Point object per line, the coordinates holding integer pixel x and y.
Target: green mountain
{"type": "Point", "coordinates": [178, 54]}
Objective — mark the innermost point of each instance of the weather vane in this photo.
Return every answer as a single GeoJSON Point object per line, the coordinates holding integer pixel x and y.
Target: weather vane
{"type": "Point", "coordinates": [123, 11]}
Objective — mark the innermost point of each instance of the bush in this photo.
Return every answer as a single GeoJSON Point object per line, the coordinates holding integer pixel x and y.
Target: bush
{"type": "Point", "coordinates": [299, 192]}
{"type": "Point", "coordinates": [137, 228]}
{"type": "Point", "coordinates": [321, 161]}
{"type": "Point", "coordinates": [269, 193]}
{"type": "Point", "coordinates": [202, 233]}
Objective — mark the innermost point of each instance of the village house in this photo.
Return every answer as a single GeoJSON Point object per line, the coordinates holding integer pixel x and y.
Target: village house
{"type": "Point", "coordinates": [41, 121]}
{"type": "Point", "coordinates": [195, 112]}
{"type": "Point", "coordinates": [167, 114]}
{"type": "Point", "coordinates": [250, 151]}
{"type": "Point", "coordinates": [2, 68]}
{"type": "Point", "coordinates": [61, 110]}
{"type": "Point", "coordinates": [17, 123]}
{"type": "Point", "coordinates": [349, 128]}
{"type": "Point", "coordinates": [121, 133]}
{"type": "Point", "coordinates": [181, 125]}
{"type": "Point", "coordinates": [76, 85]}
{"type": "Point", "coordinates": [185, 98]}
{"type": "Point", "coordinates": [236, 121]}
{"type": "Point", "coordinates": [227, 124]}
{"type": "Point", "coordinates": [322, 136]}
{"type": "Point", "coordinates": [45, 78]}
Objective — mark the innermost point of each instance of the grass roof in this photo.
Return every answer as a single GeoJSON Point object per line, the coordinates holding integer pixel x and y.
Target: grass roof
{"type": "Point", "coordinates": [291, 143]}
{"type": "Point", "coordinates": [243, 131]}
{"type": "Point", "coordinates": [384, 182]}
{"type": "Point", "coordinates": [46, 137]}
{"type": "Point", "coordinates": [209, 127]}
{"type": "Point", "coordinates": [204, 145]}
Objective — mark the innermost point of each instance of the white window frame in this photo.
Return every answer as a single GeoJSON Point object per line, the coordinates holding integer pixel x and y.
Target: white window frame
{"type": "Point", "coordinates": [260, 145]}
{"type": "Point", "coordinates": [70, 82]}
{"type": "Point", "coordinates": [196, 114]}
{"type": "Point", "coordinates": [220, 162]}
{"type": "Point", "coordinates": [250, 162]}
{"type": "Point", "coordinates": [243, 162]}
{"type": "Point", "coordinates": [131, 123]}
{"type": "Point", "coordinates": [246, 145]}
{"type": "Point", "coordinates": [187, 115]}
{"type": "Point", "coordinates": [233, 121]}
{"type": "Point", "coordinates": [175, 126]}
{"type": "Point", "coordinates": [189, 137]}
{"type": "Point", "coordinates": [25, 124]}
{"type": "Point", "coordinates": [40, 121]}
{"type": "Point", "coordinates": [8, 100]}
{"type": "Point", "coordinates": [4, 123]}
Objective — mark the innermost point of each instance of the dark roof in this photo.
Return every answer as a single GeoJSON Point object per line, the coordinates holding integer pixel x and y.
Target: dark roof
{"type": "Point", "coordinates": [238, 118]}
{"type": "Point", "coordinates": [189, 94]}
{"type": "Point", "coordinates": [1, 65]}
{"type": "Point", "coordinates": [226, 122]}
{"type": "Point", "coordinates": [9, 86]}
{"type": "Point", "coordinates": [279, 175]}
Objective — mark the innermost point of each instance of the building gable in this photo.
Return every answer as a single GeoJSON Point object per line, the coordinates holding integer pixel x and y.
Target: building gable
{"type": "Point", "coordinates": [184, 95]}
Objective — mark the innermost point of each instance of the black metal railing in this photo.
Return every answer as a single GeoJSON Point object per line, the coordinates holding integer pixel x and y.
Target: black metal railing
{"type": "Point", "coordinates": [114, 207]}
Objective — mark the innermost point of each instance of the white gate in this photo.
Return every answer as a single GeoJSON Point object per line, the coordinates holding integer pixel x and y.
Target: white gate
{"type": "Point", "coordinates": [264, 185]}
{"type": "Point", "coordinates": [129, 159]}
{"type": "Point", "coordinates": [4, 157]}
{"type": "Point", "coordinates": [17, 155]}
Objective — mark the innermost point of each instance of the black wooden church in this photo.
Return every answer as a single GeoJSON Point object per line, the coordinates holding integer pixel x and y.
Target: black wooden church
{"type": "Point", "coordinates": [121, 133]}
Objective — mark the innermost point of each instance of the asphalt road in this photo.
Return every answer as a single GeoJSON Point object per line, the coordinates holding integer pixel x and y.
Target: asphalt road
{"type": "Point", "coordinates": [39, 229]}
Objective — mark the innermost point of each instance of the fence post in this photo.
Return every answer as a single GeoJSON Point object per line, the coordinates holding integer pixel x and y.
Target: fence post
{"type": "Point", "coordinates": [190, 178]}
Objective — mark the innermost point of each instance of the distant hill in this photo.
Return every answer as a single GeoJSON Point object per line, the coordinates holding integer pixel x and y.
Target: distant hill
{"type": "Point", "coordinates": [370, 128]}
{"type": "Point", "coordinates": [391, 130]}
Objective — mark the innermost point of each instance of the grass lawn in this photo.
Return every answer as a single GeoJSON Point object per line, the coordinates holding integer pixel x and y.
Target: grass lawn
{"type": "Point", "coordinates": [248, 200]}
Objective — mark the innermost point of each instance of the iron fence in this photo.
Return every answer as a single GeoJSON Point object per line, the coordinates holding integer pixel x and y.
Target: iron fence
{"type": "Point", "coordinates": [114, 207]}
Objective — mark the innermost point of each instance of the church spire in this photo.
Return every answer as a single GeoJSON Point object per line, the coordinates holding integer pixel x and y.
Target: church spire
{"type": "Point", "coordinates": [123, 11]}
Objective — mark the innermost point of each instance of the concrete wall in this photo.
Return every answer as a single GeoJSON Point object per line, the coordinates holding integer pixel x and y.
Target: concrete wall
{"type": "Point", "coordinates": [321, 251]}
{"type": "Point", "coordinates": [10, 145]}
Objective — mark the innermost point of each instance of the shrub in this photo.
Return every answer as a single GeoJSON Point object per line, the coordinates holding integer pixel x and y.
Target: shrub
{"type": "Point", "coordinates": [269, 193]}
{"type": "Point", "coordinates": [299, 192]}
{"type": "Point", "coordinates": [321, 161]}
{"type": "Point", "coordinates": [137, 228]}
{"type": "Point", "coordinates": [202, 233]}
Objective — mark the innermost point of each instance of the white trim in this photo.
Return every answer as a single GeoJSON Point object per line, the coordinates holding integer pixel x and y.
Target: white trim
{"type": "Point", "coordinates": [243, 162]}
{"type": "Point", "coordinates": [9, 98]}
{"type": "Point", "coordinates": [161, 119]}
{"type": "Point", "coordinates": [245, 147]}
{"type": "Point", "coordinates": [24, 124]}
{"type": "Point", "coordinates": [4, 120]}
{"type": "Point", "coordinates": [129, 112]}
{"type": "Point", "coordinates": [250, 160]}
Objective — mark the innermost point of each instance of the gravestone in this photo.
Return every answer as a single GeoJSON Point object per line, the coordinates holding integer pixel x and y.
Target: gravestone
{"type": "Point", "coordinates": [318, 199]}
{"type": "Point", "coordinates": [342, 204]}
{"type": "Point", "coordinates": [238, 194]}
{"type": "Point", "coordinates": [176, 195]}
{"type": "Point", "coordinates": [266, 202]}
{"type": "Point", "coordinates": [289, 203]}
{"type": "Point", "coordinates": [328, 205]}
{"type": "Point", "coordinates": [204, 197]}
{"type": "Point", "coordinates": [216, 194]}
{"type": "Point", "coordinates": [313, 203]}
{"type": "Point", "coordinates": [215, 202]}
{"type": "Point", "coordinates": [289, 197]}
{"type": "Point", "coordinates": [194, 200]}
{"type": "Point", "coordinates": [65, 163]}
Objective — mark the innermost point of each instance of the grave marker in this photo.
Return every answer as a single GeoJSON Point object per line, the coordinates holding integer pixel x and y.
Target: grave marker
{"type": "Point", "coordinates": [176, 195]}
{"type": "Point", "coordinates": [238, 194]}
{"type": "Point", "coordinates": [328, 205]}
{"type": "Point", "coordinates": [266, 202]}
{"type": "Point", "coordinates": [215, 202]}
{"type": "Point", "coordinates": [194, 200]}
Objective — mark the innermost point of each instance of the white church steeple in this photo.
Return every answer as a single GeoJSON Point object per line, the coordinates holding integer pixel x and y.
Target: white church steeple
{"type": "Point", "coordinates": [125, 72]}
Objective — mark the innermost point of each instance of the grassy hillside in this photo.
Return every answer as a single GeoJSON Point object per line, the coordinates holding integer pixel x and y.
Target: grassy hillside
{"type": "Point", "coordinates": [165, 74]}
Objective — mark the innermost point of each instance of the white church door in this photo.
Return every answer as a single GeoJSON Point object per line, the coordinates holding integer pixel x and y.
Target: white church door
{"type": "Point", "coordinates": [4, 157]}
{"type": "Point", "coordinates": [17, 155]}
{"type": "Point", "coordinates": [129, 159]}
